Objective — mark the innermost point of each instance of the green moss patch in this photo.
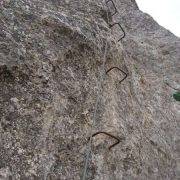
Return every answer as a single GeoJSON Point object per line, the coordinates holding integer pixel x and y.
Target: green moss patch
{"type": "Point", "coordinates": [176, 96]}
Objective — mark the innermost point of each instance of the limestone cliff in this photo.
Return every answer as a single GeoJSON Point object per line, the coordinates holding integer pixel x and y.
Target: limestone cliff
{"type": "Point", "coordinates": [51, 56]}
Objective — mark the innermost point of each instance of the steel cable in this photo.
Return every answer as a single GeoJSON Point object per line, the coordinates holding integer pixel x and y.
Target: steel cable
{"type": "Point", "coordinates": [102, 76]}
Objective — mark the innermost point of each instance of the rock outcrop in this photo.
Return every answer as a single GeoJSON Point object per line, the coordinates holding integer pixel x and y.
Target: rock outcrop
{"type": "Point", "coordinates": [51, 53]}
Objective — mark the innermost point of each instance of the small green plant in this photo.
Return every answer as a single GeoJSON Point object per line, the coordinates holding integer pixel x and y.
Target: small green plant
{"type": "Point", "coordinates": [176, 96]}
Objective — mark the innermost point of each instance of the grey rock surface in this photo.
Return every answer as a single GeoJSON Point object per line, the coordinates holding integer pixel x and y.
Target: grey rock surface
{"type": "Point", "coordinates": [51, 53]}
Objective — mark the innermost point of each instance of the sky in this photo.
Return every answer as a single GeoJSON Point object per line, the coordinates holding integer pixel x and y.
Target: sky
{"type": "Point", "coordinates": [165, 12]}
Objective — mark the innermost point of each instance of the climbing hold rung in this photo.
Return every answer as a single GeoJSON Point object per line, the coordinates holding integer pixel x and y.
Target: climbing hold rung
{"type": "Point", "coordinates": [110, 3]}
{"type": "Point", "coordinates": [125, 74]}
{"type": "Point", "coordinates": [108, 134]}
{"type": "Point", "coordinates": [119, 25]}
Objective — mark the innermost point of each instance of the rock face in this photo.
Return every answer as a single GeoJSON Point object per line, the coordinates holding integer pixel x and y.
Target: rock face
{"type": "Point", "coordinates": [51, 55]}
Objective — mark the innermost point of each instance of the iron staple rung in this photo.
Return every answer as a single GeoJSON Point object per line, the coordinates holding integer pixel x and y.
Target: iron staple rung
{"type": "Point", "coordinates": [124, 34]}
{"type": "Point", "coordinates": [116, 11]}
{"type": "Point", "coordinates": [108, 134]}
{"type": "Point", "coordinates": [119, 70]}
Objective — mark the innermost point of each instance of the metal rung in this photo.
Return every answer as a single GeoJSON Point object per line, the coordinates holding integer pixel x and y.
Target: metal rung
{"type": "Point", "coordinates": [119, 70]}
{"type": "Point", "coordinates": [108, 134]}
{"type": "Point", "coordinates": [115, 9]}
{"type": "Point", "coordinates": [124, 34]}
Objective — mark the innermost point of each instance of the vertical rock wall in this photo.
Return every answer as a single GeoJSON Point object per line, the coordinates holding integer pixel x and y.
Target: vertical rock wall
{"type": "Point", "coordinates": [51, 53]}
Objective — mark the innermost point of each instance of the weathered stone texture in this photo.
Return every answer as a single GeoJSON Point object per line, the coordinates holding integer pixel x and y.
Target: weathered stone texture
{"type": "Point", "coordinates": [51, 52]}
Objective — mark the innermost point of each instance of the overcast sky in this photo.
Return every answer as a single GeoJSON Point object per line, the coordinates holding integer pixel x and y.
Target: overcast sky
{"type": "Point", "coordinates": [165, 12]}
